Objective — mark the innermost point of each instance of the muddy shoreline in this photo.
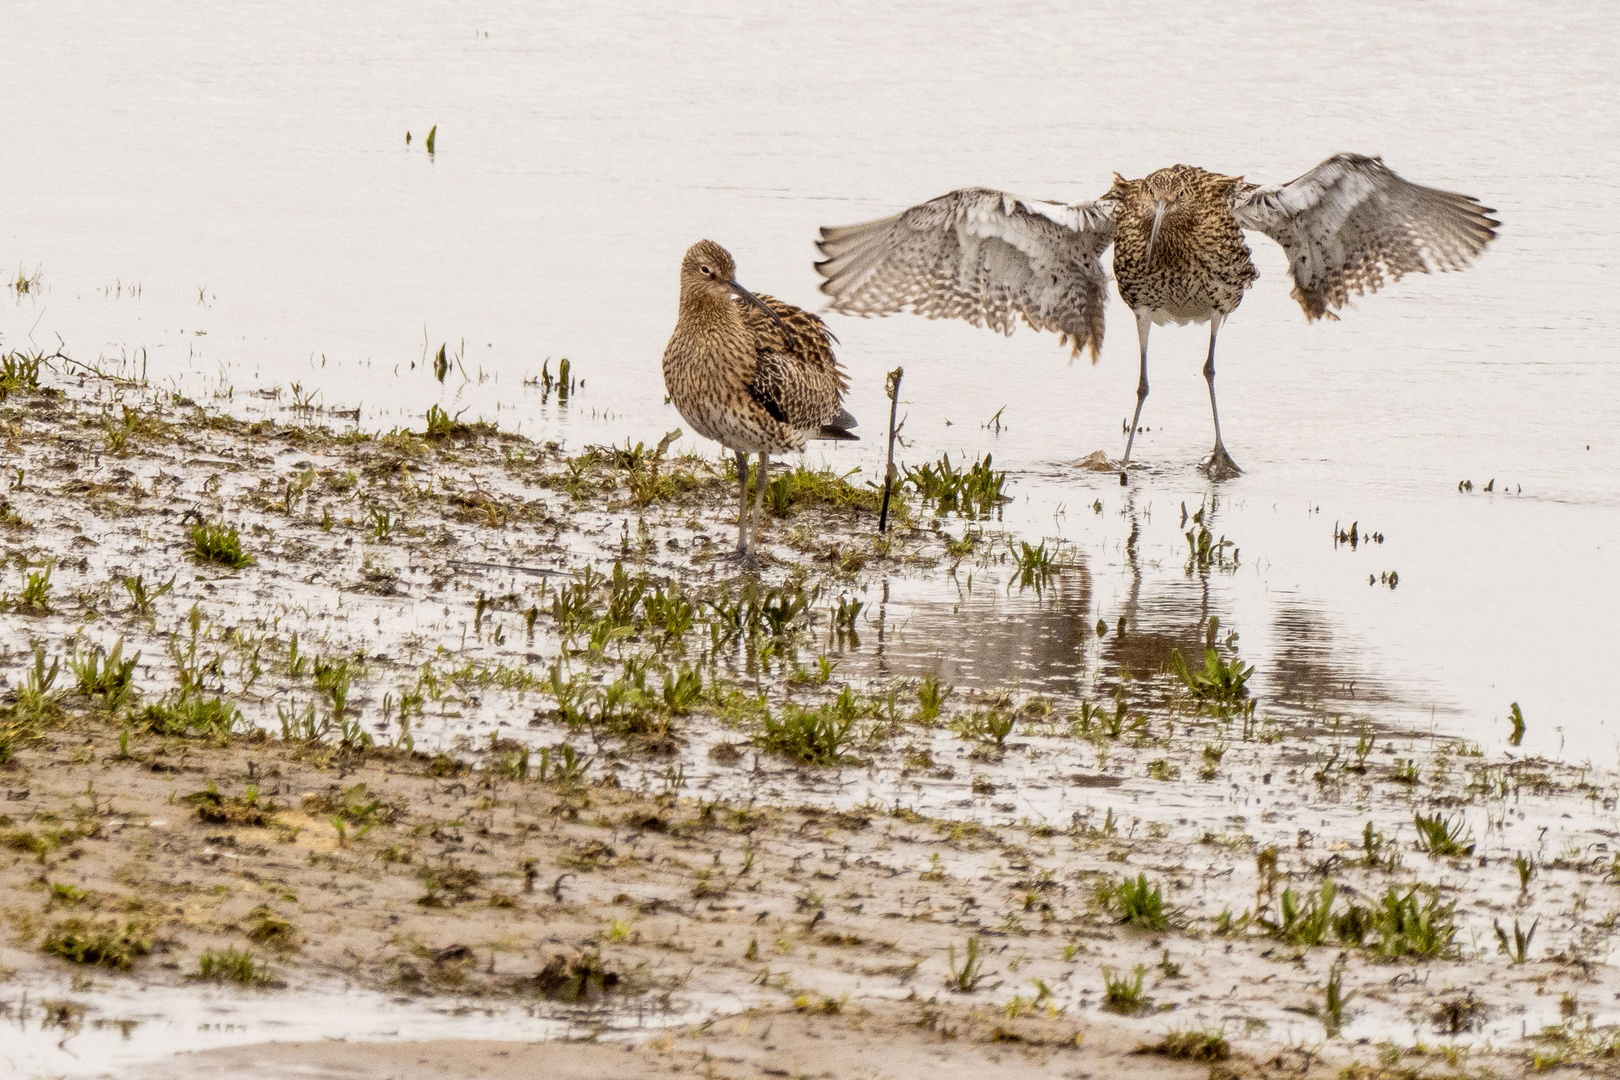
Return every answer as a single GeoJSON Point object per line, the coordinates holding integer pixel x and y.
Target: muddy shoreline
{"type": "Point", "coordinates": [473, 719]}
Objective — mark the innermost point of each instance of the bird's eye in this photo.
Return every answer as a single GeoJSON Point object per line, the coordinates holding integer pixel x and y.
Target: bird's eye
{"type": "Point", "coordinates": [706, 271]}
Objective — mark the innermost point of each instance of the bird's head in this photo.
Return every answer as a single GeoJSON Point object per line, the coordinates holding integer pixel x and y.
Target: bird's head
{"type": "Point", "coordinates": [709, 270]}
{"type": "Point", "coordinates": [709, 267]}
{"type": "Point", "coordinates": [1166, 190]}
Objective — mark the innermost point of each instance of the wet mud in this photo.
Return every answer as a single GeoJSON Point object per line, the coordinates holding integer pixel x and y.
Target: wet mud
{"type": "Point", "coordinates": [486, 740]}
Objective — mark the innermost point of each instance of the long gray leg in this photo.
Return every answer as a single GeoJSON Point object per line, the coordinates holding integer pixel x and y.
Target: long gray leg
{"type": "Point", "coordinates": [1143, 324]}
{"type": "Point", "coordinates": [763, 478]}
{"type": "Point", "coordinates": [1220, 465]}
{"type": "Point", "coordinates": [742, 503]}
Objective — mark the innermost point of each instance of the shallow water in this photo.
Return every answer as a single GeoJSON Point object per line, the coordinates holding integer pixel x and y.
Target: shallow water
{"type": "Point", "coordinates": [225, 198]}
{"type": "Point", "coordinates": [114, 1026]}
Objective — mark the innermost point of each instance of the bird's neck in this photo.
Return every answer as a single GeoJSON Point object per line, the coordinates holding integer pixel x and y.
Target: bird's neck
{"type": "Point", "coordinates": [704, 311]}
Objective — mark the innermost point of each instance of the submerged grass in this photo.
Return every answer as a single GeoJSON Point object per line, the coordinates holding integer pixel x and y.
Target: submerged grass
{"type": "Point", "coordinates": [974, 492]}
{"type": "Point", "coordinates": [1221, 682]}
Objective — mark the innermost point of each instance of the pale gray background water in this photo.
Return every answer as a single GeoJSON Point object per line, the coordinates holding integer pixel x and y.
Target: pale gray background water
{"type": "Point", "coordinates": [245, 167]}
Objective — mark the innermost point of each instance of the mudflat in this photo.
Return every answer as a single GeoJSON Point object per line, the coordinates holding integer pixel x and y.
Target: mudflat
{"type": "Point", "coordinates": [452, 718]}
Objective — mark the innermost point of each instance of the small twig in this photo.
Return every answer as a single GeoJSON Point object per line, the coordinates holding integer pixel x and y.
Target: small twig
{"type": "Point", "coordinates": [556, 887]}
{"type": "Point", "coordinates": [537, 571]}
{"type": "Point", "coordinates": [663, 444]}
{"type": "Point", "coordinates": [892, 385]}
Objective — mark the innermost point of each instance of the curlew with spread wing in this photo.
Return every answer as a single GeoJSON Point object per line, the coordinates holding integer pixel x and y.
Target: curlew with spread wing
{"type": "Point", "coordinates": [1350, 225]}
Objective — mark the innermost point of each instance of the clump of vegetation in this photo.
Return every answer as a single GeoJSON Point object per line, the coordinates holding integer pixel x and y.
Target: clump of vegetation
{"type": "Point", "coordinates": [447, 884]}
{"type": "Point", "coordinates": [440, 426]}
{"type": "Point", "coordinates": [267, 927]}
{"type": "Point", "coordinates": [1139, 903]}
{"type": "Point", "coordinates": [932, 694]}
{"type": "Point", "coordinates": [1161, 769]}
{"type": "Point", "coordinates": [67, 895]}
{"type": "Point", "coordinates": [105, 675]}
{"type": "Point", "coordinates": [990, 726]}
{"type": "Point", "coordinates": [1195, 1044]}
{"type": "Point", "coordinates": [1305, 923]}
{"type": "Point", "coordinates": [564, 383]}
{"type": "Point", "coordinates": [1222, 682]}
{"type": "Point", "coordinates": [1400, 924]}
{"type": "Point", "coordinates": [1456, 1015]}
{"type": "Point", "coordinates": [1036, 565]}
{"type": "Point", "coordinates": [1334, 999]}
{"type": "Point", "coordinates": [1123, 995]}
{"type": "Point", "coordinates": [1518, 949]}
{"type": "Point", "coordinates": [974, 492]}
{"type": "Point", "coordinates": [1443, 837]}
{"type": "Point", "coordinates": [193, 715]}
{"type": "Point", "coordinates": [216, 542]}
{"type": "Point", "coordinates": [354, 806]}
{"type": "Point", "coordinates": [966, 978]}
{"type": "Point", "coordinates": [1204, 552]}
{"type": "Point", "coordinates": [801, 486]}
{"type": "Point", "coordinates": [576, 978]}
{"type": "Point", "coordinates": [214, 808]}
{"type": "Point", "coordinates": [106, 943]}
{"type": "Point", "coordinates": [232, 965]}
{"type": "Point", "coordinates": [818, 736]}
{"type": "Point", "coordinates": [9, 517]}
{"type": "Point", "coordinates": [35, 598]}
{"type": "Point", "coordinates": [19, 372]}
{"type": "Point", "coordinates": [36, 699]}
{"type": "Point", "coordinates": [133, 422]}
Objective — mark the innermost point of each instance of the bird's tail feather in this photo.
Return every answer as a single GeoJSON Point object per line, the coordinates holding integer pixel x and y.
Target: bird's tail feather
{"type": "Point", "coordinates": [833, 431]}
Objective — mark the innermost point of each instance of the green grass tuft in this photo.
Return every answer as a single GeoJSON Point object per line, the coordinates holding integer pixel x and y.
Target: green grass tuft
{"type": "Point", "coordinates": [1122, 995]}
{"type": "Point", "coordinates": [232, 965]}
{"type": "Point", "coordinates": [216, 542]}
{"type": "Point", "coordinates": [817, 736]}
{"type": "Point", "coordinates": [106, 943]}
{"type": "Point", "coordinates": [1140, 903]}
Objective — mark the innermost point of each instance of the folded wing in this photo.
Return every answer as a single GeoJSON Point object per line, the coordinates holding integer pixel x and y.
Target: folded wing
{"type": "Point", "coordinates": [1352, 225]}
{"type": "Point", "coordinates": [984, 256]}
{"type": "Point", "coordinates": [797, 379]}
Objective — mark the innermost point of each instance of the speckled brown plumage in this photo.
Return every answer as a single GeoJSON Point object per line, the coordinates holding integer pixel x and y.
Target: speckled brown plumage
{"type": "Point", "coordinates": [1200, 264]}
{"type": "Point", "coordinates": [753, 373]}
{"type": "Point", "coordinates": [1348, 226]}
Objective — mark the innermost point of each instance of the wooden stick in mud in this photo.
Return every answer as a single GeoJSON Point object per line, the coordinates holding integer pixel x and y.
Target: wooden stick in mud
{"type": "Point", "coordinates": [892, 385]}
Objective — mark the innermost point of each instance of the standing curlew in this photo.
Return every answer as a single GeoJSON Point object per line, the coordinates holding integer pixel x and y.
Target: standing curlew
{"type": "Point", "coordinates": [1348, 225]}
{"type": "Point", "coordinates": [750, 372]}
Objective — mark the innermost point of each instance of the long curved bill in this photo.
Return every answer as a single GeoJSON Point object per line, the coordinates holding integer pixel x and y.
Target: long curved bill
{"type": "Point", "coordinates": [1159, 207]}
{"type": "Point", "coordinates": [757, 302]}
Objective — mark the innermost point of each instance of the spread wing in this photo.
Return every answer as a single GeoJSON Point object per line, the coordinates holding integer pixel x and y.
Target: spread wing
{"type": "Point", "coordinates": [1352, 225]}
{"type": "Point", "coordinates": [797, 380]}
{"type": "Point", "coordinates": [979, 255]}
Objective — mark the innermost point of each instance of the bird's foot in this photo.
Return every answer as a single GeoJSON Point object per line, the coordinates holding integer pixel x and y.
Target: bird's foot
{"type": "Point", "coordinates": [1220, 465]}
{"type": "Point", "coordinates": [744, 558]}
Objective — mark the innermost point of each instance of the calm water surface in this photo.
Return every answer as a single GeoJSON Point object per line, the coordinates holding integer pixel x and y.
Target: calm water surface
{"type": "Point", "coordinates": [225, 196]}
